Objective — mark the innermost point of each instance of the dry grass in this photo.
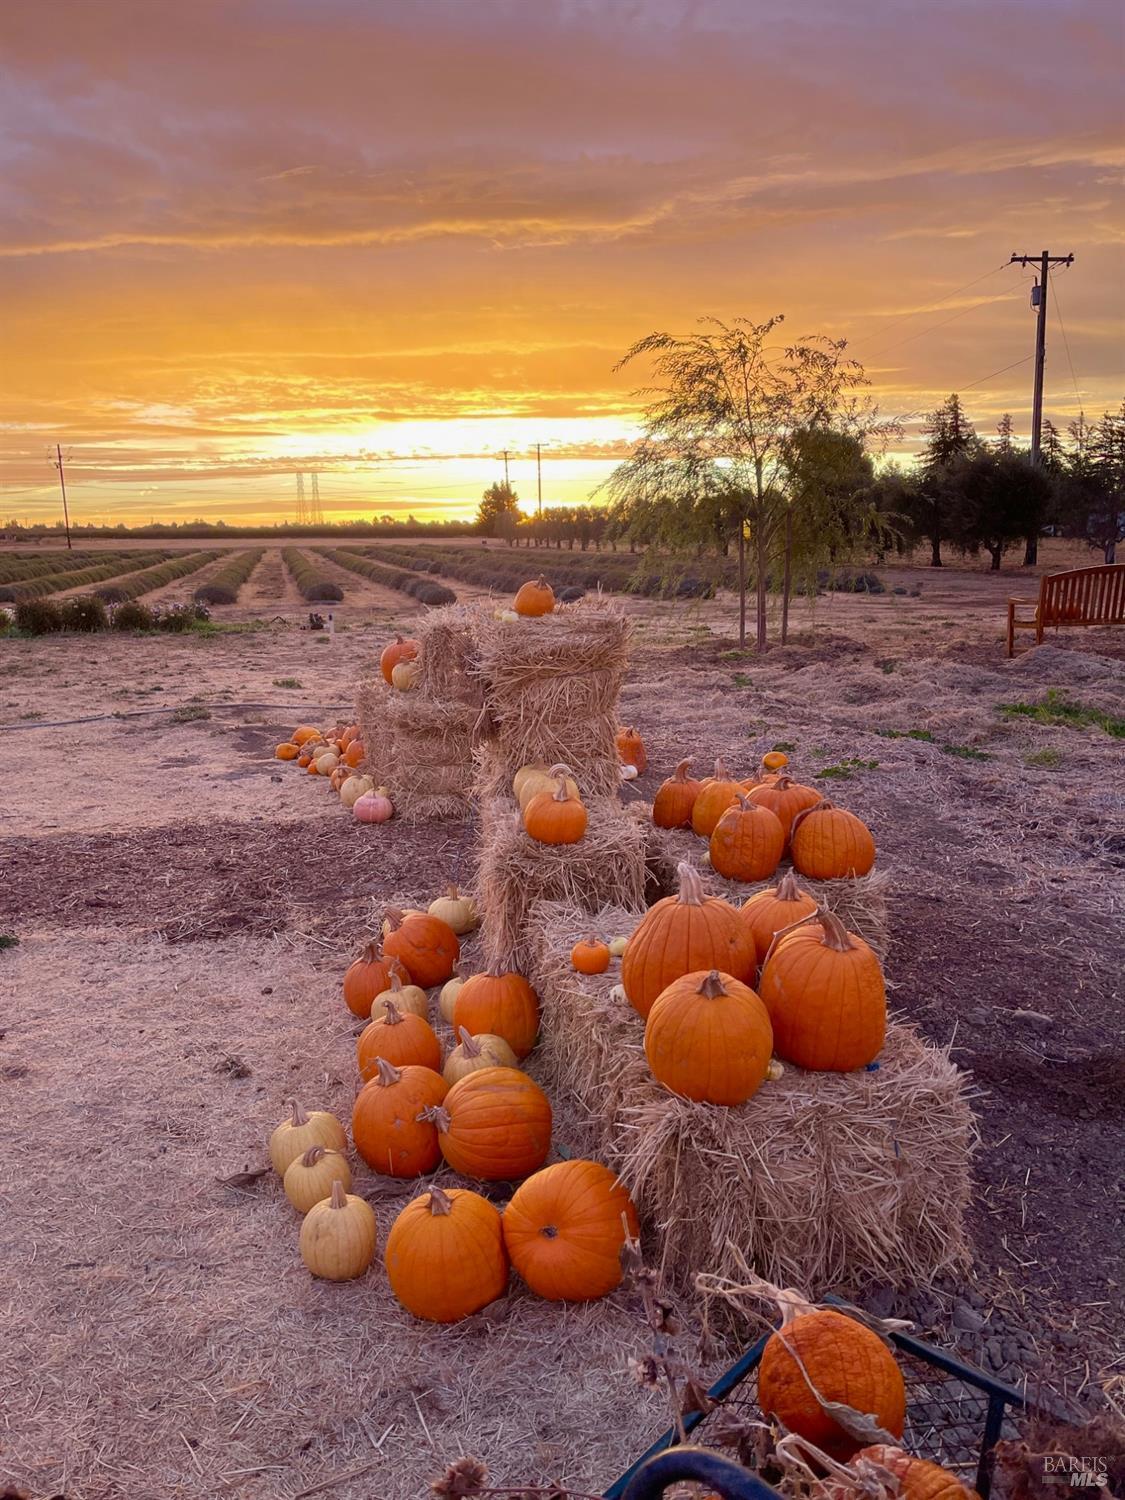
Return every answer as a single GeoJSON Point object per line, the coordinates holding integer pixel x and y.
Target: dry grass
{"type": "Point", "coordinates": [448, 638]}
{"type": "Point", "coordinates": [433, 755]}
{"type": "Point", "coordinates": [372, 699]}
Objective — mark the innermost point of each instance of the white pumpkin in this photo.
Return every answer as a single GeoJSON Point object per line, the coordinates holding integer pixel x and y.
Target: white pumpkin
{"type": "Point", "coordinates": [353, 789]}
{"type": "Point", "coordinates": [404, 675]}
{"type": "Point", "coordinates": [448, 997]}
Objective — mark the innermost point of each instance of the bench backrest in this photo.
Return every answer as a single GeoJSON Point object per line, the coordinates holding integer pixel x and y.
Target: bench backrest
{"type": "Point", "coordinates": [1093, 595]}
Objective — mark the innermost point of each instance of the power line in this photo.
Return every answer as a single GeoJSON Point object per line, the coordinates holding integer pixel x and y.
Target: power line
{"type": "Point", "coordinates": [905, 317]}
{"type": "Point", "coordinates": [942, 322]}
{"type": "Point", "coordinates": [1015, 363]}
{"type": "Point", "coordinates": [1066, 341]}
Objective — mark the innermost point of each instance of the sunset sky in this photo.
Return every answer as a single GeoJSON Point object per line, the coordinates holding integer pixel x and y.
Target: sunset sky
{"type": "Point", "coordinates": [387, 240]}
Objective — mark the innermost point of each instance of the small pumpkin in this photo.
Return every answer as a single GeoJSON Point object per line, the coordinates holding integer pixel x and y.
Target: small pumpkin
{"type": "Point", "coordinates": [537, 781]}
{"type": "Point", "coordinates": [534, 599]}
{"type": "Point", "coordinates": [910, 1478]}
{"type": "Point", "coordinates": [339, 776]}
{"type": "Point", "coordinates": [353, 788]}
{"type": "Point", "coordinates": [304, 732]}
{"type": "Point", "coordinates": [774, 760]}
{"type": "Point", "coordinates": [338, 1236]}
{"type": "Point", "coordinates": [409, 999]}
{"type": "Point", "coordinates": [501, 1004]}
{"type": "Point", "coordinates": [309, 1179]}
{"type": "Point", "coordinates": [447, 1000]}
{"type": "Point", "coordinates": [631, 749]}
{"type": "Point", "coordinates": [372, 807]}
{"type": "Point", "coordinates": [680, 935]}
{"type": "Point", "coordinates": [715, 795]}
{"type": "Point", "coordinates": [709, 1038]}
{"type": "Point", "coordinates": [354, 754]}
{"type": "Point", "coordinates": [829, 843]}
{"type": "Point", "coordinates": [617, 947]}
{"type": "Point", "coordinates": [445, 1255]}
{"type": "Point", "coordinates": [494, 1125]}
{"type": "Point", "coordinates": [747, 841]}
{"type": "Point", "coordinates": [778, 906]}
{"type": "Point", "coordinates": [556, 817]}
{"type": "Point", "coordinates": [824, 989]}
{"type": "Point", "coordinates": [426, 946]}
{"type": "Point", "coordinates": [675, 798]}
{"type": "Point", "coordinates": [400, 649]}
{"type": "Point", "coordinates": [325, 764]}
{"type": "Point", "coordinates": [785, 798]}
{"type": "Point", "coordinates": [525, 773]}
{"type": "Point", "coordinates": [400, 1037]}
{"type": "Point", "coordinates": [590, 956]}
{"type": "Point", "coordinates": [565, 1227]}
{"type": "Point", "coordinates": [302, 1129]}
{"type": "Point", "coordinates": [405, 676]}
{"type": "Point", "coordinates": [367, 977]}
{"type": "Point", "coordinates": [287, 751]}
{"type": "Point", "coordinates": [458, 912]}
{"type": "Point", "coordinates": [476, 1052]}
{"type": "Point", "coordinates": [389, 1124]}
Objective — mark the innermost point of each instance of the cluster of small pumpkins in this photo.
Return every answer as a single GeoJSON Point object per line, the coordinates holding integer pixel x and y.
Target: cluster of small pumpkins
{"type": "Point", "coordinates": [752, 824]}
{"type": "Point", "coordinates": [399, 663]}
{"type": "Point", "coordinates": [449, 1251]}
{"type": "Point", "coordinates": [338, 757]}
{"type": "Point", "coordinates": [533, 600]}
{"type": "Point", "coordinates": [550, 804]}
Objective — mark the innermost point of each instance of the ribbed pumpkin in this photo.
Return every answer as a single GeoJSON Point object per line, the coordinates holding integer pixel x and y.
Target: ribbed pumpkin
{"type": "Point", "coordinates": [524, 774]}
{"type": "Point", "coordinates": [631, 749]}
{"type": "Point", "coordinates": [785, 798]}
{"type": "Point", "coordinates": [675, 798]}
{"type": "Point", "coordinates": [747, 841]}
{"type": "Point", "coordinates": [846, 1362]}
{"type": "Point", "coordinates": [458, 912]}
{"type": "Point", "coordinates": [287, 751]}
{"type": "Point", "coordinates": [827, 1000]}
{"type": "Point", "coordinates": [534, 599]}
{"type": "Point", "coordinates": [400, 1037]}
{"type": "Point", "coordinates": [302, 1129]}
{"type": "Point", "coordinates": [447, 999]}
{"type": "Point", "coordinates": [309, 1179]}
{"type": "Point", "coordinates": [680, 935]}
{"type": "Point", "coordinates": [709, 1038]}
{"type": "Point", "coordinates": [475, 1053]}
{"type": "Point", "coordinates": [354, 753]}
{"type": "Point", "coordinates": [400, 649]}
{"type": "Point", "coordinates": [564, 1229]}
{"type": "Point", "coordinates": [502, 1004]}
{"type": "Point", "coordinates": [914, 1478]}
{"type": "Point", "coordinates": [557, 817]}
{"type": "Point", "coordinates": [589, 956]}
{"type": "Point", "coordinates": [445, 1255]}
{"type": "Point", "coordinates": [426, 946]}
{"type": "Point", "coordinates": [410, 999]}
{"type": "Point", "coordinates": [388, 1127]}
{"type": "Point", "coordinates": [778, 906]}
{"type": "Point", "coordinates": [367, 977]}
{"type": "Point", "coordinates": [715, 795]}
{"type": "Point", "coordinates": [531, 780]}
{"type": "Point", "coordinates": [829, 843]}
{"type": "Point", "coordinates": [338, 1236]}
{"type": "Point", "coordinates": [494, 1125]}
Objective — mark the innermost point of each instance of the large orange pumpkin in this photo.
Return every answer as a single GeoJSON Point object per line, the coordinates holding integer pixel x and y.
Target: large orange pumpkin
{"type": "Point", "coordinates": [675, 798]}
{"type": "Point", "coordinates": [747, 841]}
{"type": "Point", "coordinates": [399, 1037]}
{"type": "Point", "coordinates": [777, 907]}
{"type": "Point", "coordinates": [680, 935]}
{"type": "Point", "coordinates": [389, 1124]}
{"type": "Point", "coordinates": [501, 1005]}
{"type": "Point", "coordinates": [426, 946]}
{"type": "Point", "coordinates": [785, 798]}
{"type": "Point", "coordinates": [911, 1478]}
{"type": "Point", "coordinates": [829, 843]}
{"type": "Point", "coordinates": [846, 1363]}
{"type": "Point", "coordinates": [445, 1255]}
{"type": "Point", "coordinates": [709, 1038]}
{"type": "Point", "coordinates": [367, 977]}
{"type": "Point", "coordinates": [564, 1229]}
{"type": "Point", "coordinates": [556, 817]}
{"type": "Point", "coordinates": [534, 599]}
{"type": "Point", "coordinates": [400, 649]}
{"type": "Point", "coordinates": [716, 794]}
{"type": "Point", "coordinates": [827, 1000]}
{"type": "Point", "coordinates": [494, 1125]}
{"type": "Point", "coordinates": [631, 749]}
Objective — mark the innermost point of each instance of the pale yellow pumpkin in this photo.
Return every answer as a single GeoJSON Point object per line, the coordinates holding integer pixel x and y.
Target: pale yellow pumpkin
{"type": "Point", "coordinates": [304, 1128]}
{"type": "Point", "coordinates": [309, 1179]}
{"type": "Point", "coordinates": [404, 675]}
{"type": "Point", "coordinates": [354, 788]}
{"type": "Point", "coordinates": [338, 1236]}
{"type": "Point", "coordinates": [481, 1051]}
{"type": "Point", "coordinates": [447, 1000]}
{"type": "Point", "coordinates": [456, 911]}
{"type": "Point", "coordinates": [410, 998]}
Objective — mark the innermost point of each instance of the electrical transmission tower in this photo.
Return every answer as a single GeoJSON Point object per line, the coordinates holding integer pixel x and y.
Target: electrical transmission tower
{"type": "Point", "coordinates": [316, 515]}
{"type": "Point", "coordinates": [302, 508]}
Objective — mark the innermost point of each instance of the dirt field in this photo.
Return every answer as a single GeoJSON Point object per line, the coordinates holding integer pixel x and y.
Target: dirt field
{"type": "Point", "coordinates": [185, 907]}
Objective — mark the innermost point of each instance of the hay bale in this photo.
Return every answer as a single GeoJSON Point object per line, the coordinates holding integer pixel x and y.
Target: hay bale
{"type": "Point", "coordinates": [449, 654]}
{"type": "Point", "coordinates": [433, 762]}
{"type": "Point", "coordinates": [375, 731]}
{"type": "Point", "coordinates": [551, 687]}
{"type": "Point", "coordinates": [605, 869]}
{"type": "Point", "coordinates": [824, 1181]}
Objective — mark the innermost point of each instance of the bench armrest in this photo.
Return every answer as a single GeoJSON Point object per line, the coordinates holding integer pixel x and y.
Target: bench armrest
{"type": "Point", "coordinates": [1021, 599]}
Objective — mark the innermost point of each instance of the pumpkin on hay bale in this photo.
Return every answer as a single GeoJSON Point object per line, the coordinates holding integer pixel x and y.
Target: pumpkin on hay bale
{"type": "Point", "coordinates": [821, 1180]}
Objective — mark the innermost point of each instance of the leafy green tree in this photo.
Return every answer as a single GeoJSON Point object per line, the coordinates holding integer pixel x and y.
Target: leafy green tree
{"type": "Point", "coordinates": [1003, 499]}
{"type": "Point", "coordinates": [499, 511]}
{"type": "Point", "coordinates": [951, 442]}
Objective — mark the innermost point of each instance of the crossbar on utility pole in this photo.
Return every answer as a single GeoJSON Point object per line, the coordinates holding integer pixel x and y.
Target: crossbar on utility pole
{"type": "Point", "coordinates": [1044, 261]}
{"type": "Point", "coordinates": [62, 485]}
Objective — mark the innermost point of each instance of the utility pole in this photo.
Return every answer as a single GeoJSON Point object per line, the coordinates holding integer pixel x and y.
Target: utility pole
{"type": "Point", "coordinates": [539, 476]}
{"type": "Point", "coordinates": [506, 484]}
{"type": "Point", "coordinates": [1039, 292]}
{"type": "Point", "coordinates": [62, 485]}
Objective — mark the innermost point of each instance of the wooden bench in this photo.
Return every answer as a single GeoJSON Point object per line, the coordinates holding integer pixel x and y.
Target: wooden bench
{"type": "Point", "coordinates": [1082, 596]}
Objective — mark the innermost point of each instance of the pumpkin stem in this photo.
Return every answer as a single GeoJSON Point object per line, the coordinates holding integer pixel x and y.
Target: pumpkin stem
{"type": "Point", "coordinates": [691, 886]}
{"type": "Point", "coordinates": [298, 1117]}
{"type": "Point", "coordinates": [395, 984]}
{"type": "Point", "coordinates": [395, 916]}
{"type": "Point", "coordinates": [435, 1114]}
{"type": "Point", "coordinates": [312, 1156]}
{"type": "Point", "coordinates": [562, 791]}
{"type": "Point", "coordinates": [453, 893]}
{"type": "Point", "coordinates": [386, 1073]}
{"type": "Point", "coordinates": [681, 771]}
{"type": "Point", "coordinates": [712, 986]}
{"type": "Point", "coordinates": [339, 1197]}
{"type": "Point", "coordinates": [721, 772]}
{"type": "Point", "coordinates": [371, 954]}
{"type": "Point", "coordinates": [542, 583]}
{"type": "Point", "coordinates": [391, 1013]}
{"type": "Point", "coordinates": [470, 1047]}
{"type": "Point", "coordinates": [440, 1202]}
{"type": "Point", "coordinates": [745, 804]}
{"type": "Point", "coordinates": [836, 935]}
{"type": "Point", "coordinates": [787, 888]}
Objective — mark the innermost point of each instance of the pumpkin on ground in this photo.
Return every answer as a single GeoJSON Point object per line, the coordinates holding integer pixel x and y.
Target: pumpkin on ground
{"type": "Point", "coordinates": [400, 649]}
{"type": "Point", "coordinates": [400, 1037]}
{"type": "Point", "coordinates": [494, 1125]}
{"type": "Point", "coordinates": [778, 906]}
{"type": "Point", "coordinates": [716, 794]}
{"type": "Point", "coordinates": [304, 732]}
{"type": "Point", "coordinates": [448, 997]}
{"type": "Point", "coordinates": [367, 977]}
{"type": "Point", "coordinates": [680, 935]}
{"type": "Point", "coordinates": [774, 760]}
{"type": "Point", "coordinates": [709, 1038]}
{"type": "Point", "coordinates": [354, 753]}
{"type": "Point", "coordinates": [338, 1236]}
{"type": "Point", "coordinates": [747, 841]}
{"type": "Point", "coordinates": [846, 1362]}
{"type": "Point", "coordinates": [388, 1124]}
{"type": "Point", "coordinates": [785, 798]}
{"type": "Point", "coordinates": [373, 807]}
{"type": "Point", "coordinates": [445, 1255]}
{"type": "Point", "coordinates": [564, 1229]}
{"type": "Point", "coordinates": [631, 749]}
{"type": "Point", "coordinates": [824, 989]}
{"type": "Point", "coordinates": [287, 751]}
{"type": "Point", "coordinates": [309, 1179]}
{"type": "Point", "coordinates": [353, 787]}
{"type": "Point", "coordinates": [534, 599]}
{"type": "Point", "coordinates": [675, 798]}
{"type": "Point", "coordinates": [589, 956]}
{"type": "Point", "coordinates": [410, 999]}
{"type": "Point", "coordinates": [910, 1478]}
{"type": "Point", "coordinates": [476, 1052]}
{"type": "Point", "coordinates": [458, 912]}
{"type": "Point", "coordinates": [556, 817]}
{"type": "Point", "coordinates": [829, 843]}
{"type": "Point", "coordinates": [302, 1129]}
{"type": "Point", "coordinates": [426, 946]}
{"type": "Point", "coordinates": [501, 1004]}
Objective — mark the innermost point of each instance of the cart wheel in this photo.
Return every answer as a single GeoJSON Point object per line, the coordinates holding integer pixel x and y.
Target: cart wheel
{"type": "Point", "coordinates": [729, 1481]}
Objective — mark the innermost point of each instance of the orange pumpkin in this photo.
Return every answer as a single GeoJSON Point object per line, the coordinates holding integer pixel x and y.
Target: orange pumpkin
{"type": "Point", "coordinates": [353, 754]}
{"type": "Point", "coordinates": [535, 599]}
{"type": "Point", "coordinates": [426, 946]}
{"type": "Point", "coordinates": [400, 649]}
{"type": "Point", "coordinates": [287, 751]}
{"type": "Point", "coordinates": [680, 935]}
{"type": "Point", "coordinates": [494, 1125]}
{"type": "Point", "coordinates": [367, 977]}
{"type": "Point", "coordinates": [348, 736]}
{"type": "Point", "coordinates": [774, 760]}
{"type": "Point", "coordinates": [445, 1255]}
{"type": "Point", "coordinates": [675, 798]}
{"type": "Point", "coordinates": [778, 906]}
{"type": "Point", "coordinates": [785, 798]}
{"type": "Point", "coordinates": [747, 841]}
{"type": "Point", "coordinates": [829, 843]}
{"type": "Point", "coordinates": [911, 1478]}
{"type": "Point", "coordinates": [826, 996]}
{"type": "Point", "coordinates": [390, 1124]}
{"type": "Point", "coordinates": [501, 1005]}
{"type": "Point", "coordinates": [709, 1038]}
{"type": "Point", "coordinates": [339, 776]}
{"type": "Point", "coordinates": [401, 1038]}
{"type": "Point", "coordinates": [846, 1362]}
{"type": "Point", "coordinates": [304, 732]}
{"type": "Point", "coordinates": [631, 749]}
{"type": "Point", "coordinates": [716, 794]}
{"type": "Point", "coordinates": [564, 1229]}
{"type": "Point", "coordinates": [556, 817]}
{"type": "Point", "coordinates": [590, 957]}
